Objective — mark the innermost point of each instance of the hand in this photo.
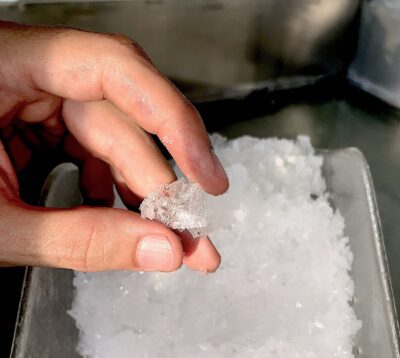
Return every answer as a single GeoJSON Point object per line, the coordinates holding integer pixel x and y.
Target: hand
{"type": "Point", "coordinates": [98, 96]}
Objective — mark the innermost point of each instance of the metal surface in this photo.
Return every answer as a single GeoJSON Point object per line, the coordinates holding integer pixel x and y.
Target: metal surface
{"type": "Point", "coordinates": [44, 328]}
{"type": "Point", "coordinates": [47, 331]}
{"type": "Point", "coordinates": [349, 181]}
{"type": "Point", "coordinates": [375, 66]}
{"type": "Point", "coordinates": [219, 48]}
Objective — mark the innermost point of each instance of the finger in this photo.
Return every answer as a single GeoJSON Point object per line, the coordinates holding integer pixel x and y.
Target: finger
{"type": "Point", "coordinates": [111, 136]}
{"type": "Point", "coordinates": [96, 182]}
{"type": "Point", "coordinates": [9, 107]}
{"type": "Point", "coordinates": [52, 130]}
{"type": "Point", "coordinates": [200, 253]}
{"type": "Point", "coordinates": [44, 107]}
{"type": "Point", "coordinates": [86, 239]}
{"type": "Point", "coordinates": [84, 67]}
{"type": "Point", "coordinates": [45, 110]}
{"type": "Point", "coordinates": [163, 111]}
{"type": "Point", "coordinates": [97, 178]}
{"type": "Point", "coordinates": [128, 197]}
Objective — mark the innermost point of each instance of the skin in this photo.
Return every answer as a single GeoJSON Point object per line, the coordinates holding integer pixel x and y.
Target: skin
{"type": "Point", "coordinates": [98, 96]}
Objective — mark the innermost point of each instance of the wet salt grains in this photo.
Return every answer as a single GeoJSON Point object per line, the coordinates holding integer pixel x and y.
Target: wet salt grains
{"type": "Point", "coordinates": [283, 288]}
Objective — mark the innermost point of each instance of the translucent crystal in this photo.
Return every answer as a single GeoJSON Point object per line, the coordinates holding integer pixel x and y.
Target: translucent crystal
{"type": "Point", "coordinates": [179, 205]}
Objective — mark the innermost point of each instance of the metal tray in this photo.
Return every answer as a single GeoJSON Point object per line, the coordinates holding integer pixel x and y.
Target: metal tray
{"type": "Point", "coordinates": [45, 329]}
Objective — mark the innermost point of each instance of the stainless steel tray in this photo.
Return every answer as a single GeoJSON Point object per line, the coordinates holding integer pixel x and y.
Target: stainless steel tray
{"type": "Point", "coordinates": [45, 330]}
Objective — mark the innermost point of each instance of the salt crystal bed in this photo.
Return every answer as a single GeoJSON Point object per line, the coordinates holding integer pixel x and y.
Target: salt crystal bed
{"type": "Point", "coordinates": [283, 289]}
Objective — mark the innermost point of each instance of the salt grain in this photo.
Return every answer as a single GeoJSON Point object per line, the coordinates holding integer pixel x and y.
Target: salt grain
{"type": "Point", "coordinates": [283, 288]}
{"type": "Point", "coordinates": [179, 205]}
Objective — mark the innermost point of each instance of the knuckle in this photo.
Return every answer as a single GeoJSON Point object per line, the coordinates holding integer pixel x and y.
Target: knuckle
{"type": "Point", "coordinates": [123, 43]}
{"type": "Point", "coordinates": [118, 39]}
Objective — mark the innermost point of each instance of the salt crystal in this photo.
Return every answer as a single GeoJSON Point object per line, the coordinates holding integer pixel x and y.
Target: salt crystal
{"type": "Point", "coordinates": [283, 288]}
{"type": "Point", "coordinates": [179, 205]}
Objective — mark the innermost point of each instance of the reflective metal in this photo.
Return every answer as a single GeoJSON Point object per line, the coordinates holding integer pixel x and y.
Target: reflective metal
{"type": "Point", "coordinates": [221, 48]}
{"type": "Point", "coordinates": [375, 68]}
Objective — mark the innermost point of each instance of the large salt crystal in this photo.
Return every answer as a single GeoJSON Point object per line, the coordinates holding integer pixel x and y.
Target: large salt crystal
{"type": "Point", "coordinates": [179, 205]}
{"type": "Point", "coordinates": [283, 289]}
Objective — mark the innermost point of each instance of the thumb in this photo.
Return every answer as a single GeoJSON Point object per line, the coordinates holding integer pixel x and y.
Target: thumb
{"type": "Point", "coordinates": [86, 239]}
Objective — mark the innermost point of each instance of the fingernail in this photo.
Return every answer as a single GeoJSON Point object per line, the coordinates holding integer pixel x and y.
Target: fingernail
{"type": "Point", "coordinates": [219, 169]}
{"type": "Point", "coordinates": [155, 253]}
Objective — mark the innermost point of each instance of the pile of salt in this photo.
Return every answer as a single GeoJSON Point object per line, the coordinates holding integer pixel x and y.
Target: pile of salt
{"type": "Point", "coordinates": [283, 288]}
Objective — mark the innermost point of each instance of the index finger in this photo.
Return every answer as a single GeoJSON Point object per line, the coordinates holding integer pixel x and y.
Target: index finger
{"type": "Point", "coordinates": [85, 66]}
{"type": "Point", "coordinates": [159, 108]}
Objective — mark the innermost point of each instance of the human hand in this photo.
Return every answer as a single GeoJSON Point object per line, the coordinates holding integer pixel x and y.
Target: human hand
{"type": "Point", "coordinates": [98, 96]}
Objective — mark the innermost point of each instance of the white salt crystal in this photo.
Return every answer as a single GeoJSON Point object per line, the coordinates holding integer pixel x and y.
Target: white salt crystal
{"type": "Point", "coordinates": [283, 288]}
{"type": "Point", "coordinates": [179, 205]}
